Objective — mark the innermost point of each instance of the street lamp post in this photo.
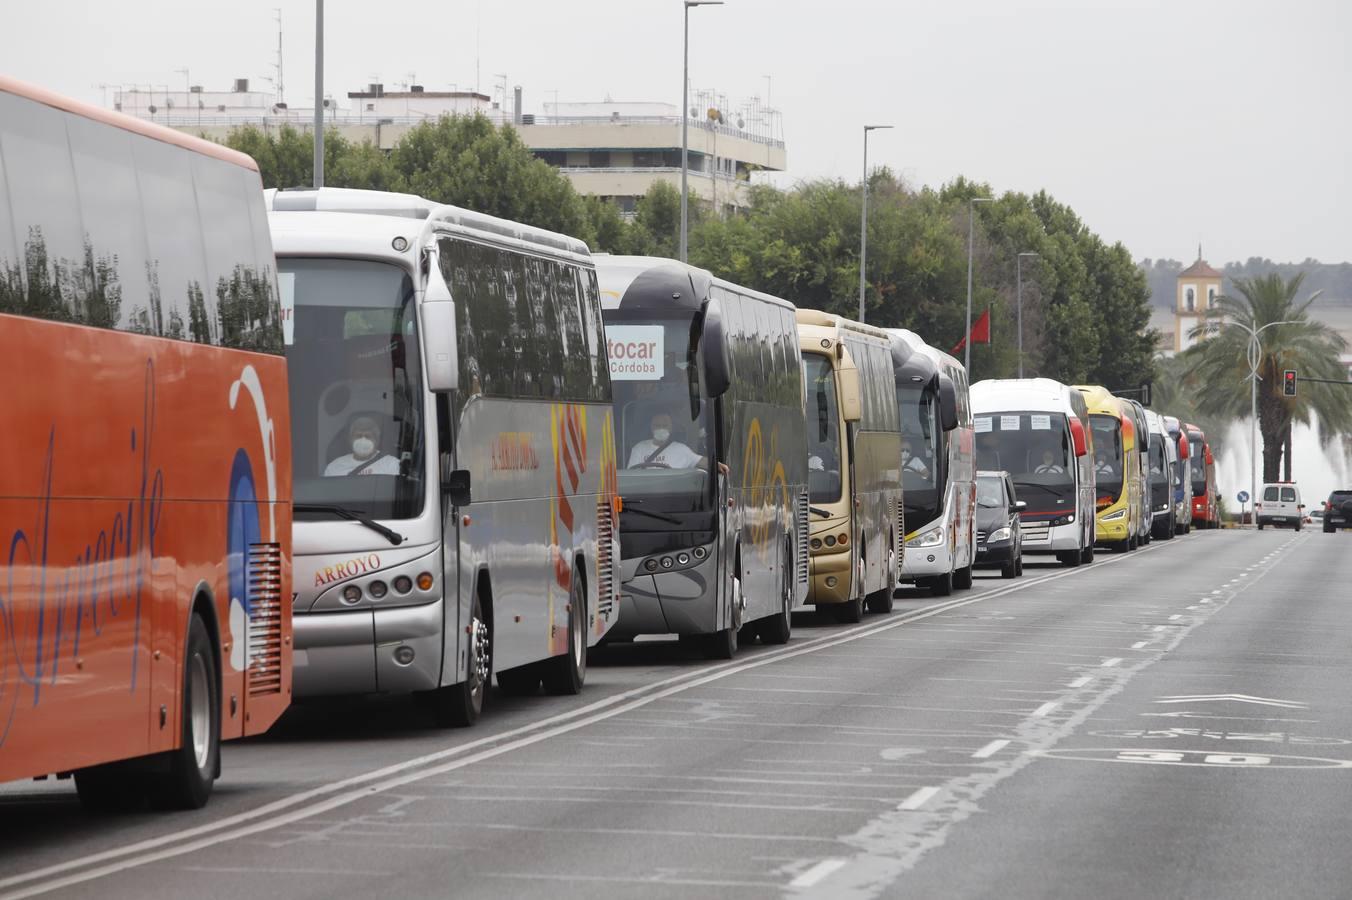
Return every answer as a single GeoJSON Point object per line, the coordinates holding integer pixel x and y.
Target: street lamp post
{"type": "Point", "coordinates": [971, 232]}
{"type": "Point", "coordinates": [319, 94]}
{"type": "Point", "coordinates": [685, 119]}
{"type": "Point", "coordinates": [1255, 360]}
{"type": "Point", "coordinates": [863, 220]}
{"type": "Point", "coordinates": [1019, 265]}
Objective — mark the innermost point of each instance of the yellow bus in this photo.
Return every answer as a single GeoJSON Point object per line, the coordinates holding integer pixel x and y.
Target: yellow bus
{"type": "Point", "coordinates": [1118, 500]}
{"type": "Point", "coordinates": [854, 464]}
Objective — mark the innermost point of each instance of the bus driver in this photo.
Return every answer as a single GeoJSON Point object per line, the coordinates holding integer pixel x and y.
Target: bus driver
{"type": "Point", "coordinates": [1049, 466]}
{"type": "Point", "coordinates": [662, 451]}
{"type": "Point", "coordinates": [365, 458]}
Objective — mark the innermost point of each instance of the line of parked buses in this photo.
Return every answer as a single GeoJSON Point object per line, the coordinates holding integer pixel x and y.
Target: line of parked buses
{"type": "Point", "coordinates": [268, 446]}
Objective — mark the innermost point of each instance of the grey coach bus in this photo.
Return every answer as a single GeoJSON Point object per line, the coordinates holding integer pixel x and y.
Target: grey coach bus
{"type": "Point", "coordinates": [712, 457]}
{"type": "Point", "coordinates": [454, 469]}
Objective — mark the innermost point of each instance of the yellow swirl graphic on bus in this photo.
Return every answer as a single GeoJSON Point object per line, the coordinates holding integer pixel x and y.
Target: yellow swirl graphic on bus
{"type": "Point", "coordinates": [758, 490]}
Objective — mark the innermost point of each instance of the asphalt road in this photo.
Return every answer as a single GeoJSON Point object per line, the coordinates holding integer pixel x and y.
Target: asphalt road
{"type": "Point", "coordinates": [1173, 722]}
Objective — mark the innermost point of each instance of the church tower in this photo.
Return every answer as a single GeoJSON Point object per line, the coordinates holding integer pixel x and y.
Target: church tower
{"type": "Point", "coordinates": [1198, 287]}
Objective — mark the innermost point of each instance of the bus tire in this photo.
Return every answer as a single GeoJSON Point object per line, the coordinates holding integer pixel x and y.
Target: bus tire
{"type": "Point", "coordinates": [1087, 555]}
{"type": "Point", "coordinates": [850, 612]}
{"type": "Point", "coordinates": [722, 644]}
{"type": "Point", "coordinates": [963, 578]}
{"type": "Point", "coordinates": [880, 602]}
{"type": "Point", "coordinates": [193, 764]}
{"type": "Point", "coordinates": [460, 705]}
{"type": "Point", "coordinates": [777, 629]}
{"type": "Point", "coordinates": [941, 585]}
{"type": "Point", "coordinates": [564, 675]}
{"type": "Point", "coordinates": [1069, 558]}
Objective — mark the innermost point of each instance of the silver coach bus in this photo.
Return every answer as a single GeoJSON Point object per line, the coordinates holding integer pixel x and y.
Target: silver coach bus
{"type": "Point", "coordinates": [712, 457]}
{"type": "Point", "coordinates": [454, 469]}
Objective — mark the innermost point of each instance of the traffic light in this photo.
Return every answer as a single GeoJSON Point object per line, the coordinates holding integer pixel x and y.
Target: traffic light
{"type": "Point", "coordinates": [1289, 382]}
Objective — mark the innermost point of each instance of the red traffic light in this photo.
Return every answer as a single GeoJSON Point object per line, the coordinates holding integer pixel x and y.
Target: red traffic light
{"type": "Point", "coordinates": [1289, 382]}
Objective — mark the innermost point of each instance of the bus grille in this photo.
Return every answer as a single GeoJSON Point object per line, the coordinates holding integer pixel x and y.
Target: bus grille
{"type": "Point", "coordinates": [900, 537]}
{"type": "Point", "coordinates": [804, 525]}
{"type": "Point", "coordinates": [265, 621]}
{"type": "Point", "coordinates": [1036, 532]}
{"type": "Point", "coordinates": [605, 559]}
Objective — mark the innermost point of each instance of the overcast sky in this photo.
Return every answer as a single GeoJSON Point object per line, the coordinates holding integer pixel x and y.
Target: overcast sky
{"type": "Point", "coordinates": [1161, 122]}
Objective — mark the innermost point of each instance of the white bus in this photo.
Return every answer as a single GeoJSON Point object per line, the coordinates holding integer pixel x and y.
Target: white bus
{"type": "Point", "coordinates": [1178, 436]}
{"type": "Point", "coordinates": [854, 464]}
{"type": "Point", "coordinates": [453, 459]}
{"type": "Point", "coordinates": [937, 470]}
{"type": "Point", "coordinates": [1038, 430]}
{"type": "Point", "coordinates": [713, 463]}
{"type": "Point", "coordinates": [1162, 475]}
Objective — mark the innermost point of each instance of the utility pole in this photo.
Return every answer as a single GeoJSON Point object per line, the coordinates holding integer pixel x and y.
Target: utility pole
{"type": "Point", "coordinates": [319, 94]}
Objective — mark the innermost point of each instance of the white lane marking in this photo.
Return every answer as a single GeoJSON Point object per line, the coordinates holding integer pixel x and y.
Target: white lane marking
{"type": "Point", "coordinates": [1045, 708]}
{"type": "Point", "coordinates": [919, 798]}
{"type": "Point", "coordinates": [1175, 617]}
{"type": "Point", "coordinates": [1080, 682]}
{"type": "Point", "coordinates": [1139, 644]}
{"type": "Point", "coordinates": [1109, 663]}
{"type": "Point", "coordinates": [379, 780]}
{"type": "Point", "coordinates": [817, 873]}
{"type": "Point", "coordinates": [1216, 593]}
{"type": "Point", "coordinates": [990, 749]}
{"type": "Point", "coordinates": [1160, 627]}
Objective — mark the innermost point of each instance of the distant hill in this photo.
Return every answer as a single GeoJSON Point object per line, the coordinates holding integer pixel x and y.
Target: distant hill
{"type": "Point", "coordinates": [1334, 306]}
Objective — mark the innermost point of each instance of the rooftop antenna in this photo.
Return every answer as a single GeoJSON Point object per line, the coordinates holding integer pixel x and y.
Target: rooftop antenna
{"type": "Point", "coordinates": [281, 89]}
{"type": "Point", "coordinates": [478, 10]}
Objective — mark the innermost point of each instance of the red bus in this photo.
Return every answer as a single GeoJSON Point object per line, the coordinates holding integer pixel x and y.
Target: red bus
{"type": "Point", "coordinates": [145, 515]}
{"type": "Point", "coordinates": [1206, 507]}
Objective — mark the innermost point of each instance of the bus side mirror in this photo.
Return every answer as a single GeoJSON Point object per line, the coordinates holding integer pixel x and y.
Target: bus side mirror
{"type": "Point", "coordinates": [1020, 505]}
{"type": "Point", "coordinates": [948, 403]}
{"type": "Point", "coordinates": [456, 486]}
{"type": "Point", "coordinates": [714, 352]}
{"type": "Point", "coordinates": [1077, 437]}
{"type": "Point", "coordinates": [440, 352]}
{"type": "Point", "coordinates": [847, 384]}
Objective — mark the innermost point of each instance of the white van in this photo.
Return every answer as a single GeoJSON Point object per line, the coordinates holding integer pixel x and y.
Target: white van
{"type": "Point", "coordinates": [1280, 505]}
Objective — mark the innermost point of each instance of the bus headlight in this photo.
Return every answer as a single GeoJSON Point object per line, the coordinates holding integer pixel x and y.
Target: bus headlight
{"type": "Point", "coordinates": [932, 538]}
{"type": "Point", "coordinates": [1113, 517]}
{"type": "Point", "coordinates": [999, 534]}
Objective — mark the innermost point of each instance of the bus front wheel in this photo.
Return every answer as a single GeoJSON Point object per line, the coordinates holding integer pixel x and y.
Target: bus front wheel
{"type": "Point", "coordinates": [193, 765]}
{"type": "Point", "coordinates": [1070, 558]}
{"type": "Point", "coordinates": [460, 705]}
{"type": "Point", "coordinates": [564, 675]}
{"type": "Point", "coordinates": [941, 585]}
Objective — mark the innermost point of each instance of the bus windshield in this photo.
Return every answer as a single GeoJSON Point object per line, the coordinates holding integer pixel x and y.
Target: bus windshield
{"type": "Point", "coordinates": [663, 435]}
{"type": "Point", "coordinates": [1033, 447]}
{"type": "Point", "coordinates": [823, 429]}
{"type": "Point", "coordinates": [356, 387]}
{"type": "Point", "coordinates": [921, 450]}
{"type": "Point", "coordinates": [1108, 457]}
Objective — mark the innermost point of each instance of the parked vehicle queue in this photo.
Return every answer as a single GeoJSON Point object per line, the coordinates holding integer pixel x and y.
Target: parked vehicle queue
{"type": "Point", "coordinates": [504, 451]}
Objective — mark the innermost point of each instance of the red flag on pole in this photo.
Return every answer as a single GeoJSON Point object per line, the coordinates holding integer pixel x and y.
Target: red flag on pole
{"type": "Point", "coordinates": [981, 332]}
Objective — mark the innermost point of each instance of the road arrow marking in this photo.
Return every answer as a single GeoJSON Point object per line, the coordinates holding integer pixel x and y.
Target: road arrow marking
{"type": "Point", "coordinates": [1237, 698]}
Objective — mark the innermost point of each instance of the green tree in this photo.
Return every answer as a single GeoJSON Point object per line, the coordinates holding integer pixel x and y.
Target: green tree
{"type": "Point", "coordinates": [470, 162]}
{"type": "Point", "coordinates": [1219, 363]}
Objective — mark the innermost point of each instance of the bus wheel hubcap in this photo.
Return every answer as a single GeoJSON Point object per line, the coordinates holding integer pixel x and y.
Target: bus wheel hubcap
{"type": "Point", "coordinates": [199, 693]}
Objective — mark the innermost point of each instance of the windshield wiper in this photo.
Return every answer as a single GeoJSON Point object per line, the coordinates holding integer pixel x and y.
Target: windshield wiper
{"type": "Point", "coordinates": [352, 515]}
{"type": "Point", "coordinates": [818, 511]}
{"type": "Point", "coordinates": [661, 517]}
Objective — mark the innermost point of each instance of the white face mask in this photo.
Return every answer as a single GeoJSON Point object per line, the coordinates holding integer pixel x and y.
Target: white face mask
{"type": "Point", "coordinates": [661, 435]}
{"type": "Point", "coordinates": [906, 454]}
{"type": "Point", "coordinates": [363, 447]}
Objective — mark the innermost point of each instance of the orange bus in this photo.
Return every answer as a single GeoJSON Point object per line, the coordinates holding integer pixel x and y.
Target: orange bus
{"type": "Point", "coordinates": [145, 513]}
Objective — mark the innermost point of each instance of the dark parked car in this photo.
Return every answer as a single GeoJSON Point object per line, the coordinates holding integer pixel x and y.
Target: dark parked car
{"type": "Point", "coordinates": [999, 537]}
{"type": "Point", "coordinates": [1338, 511]}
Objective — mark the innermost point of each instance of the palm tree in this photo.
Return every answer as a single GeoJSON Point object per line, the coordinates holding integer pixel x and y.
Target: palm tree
{"type": "Point", "coordinates": [1219, 362]}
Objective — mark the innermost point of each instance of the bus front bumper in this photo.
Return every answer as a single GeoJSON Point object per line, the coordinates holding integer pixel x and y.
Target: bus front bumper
{"type": "Point", "coordinates": [355, 652]}
{"type": "Point", "coordinates": [684, 601]}
{"type": "Point", "coordinates": [829, 577]}
{"type": "Point", "coordinates": [925, 562]}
